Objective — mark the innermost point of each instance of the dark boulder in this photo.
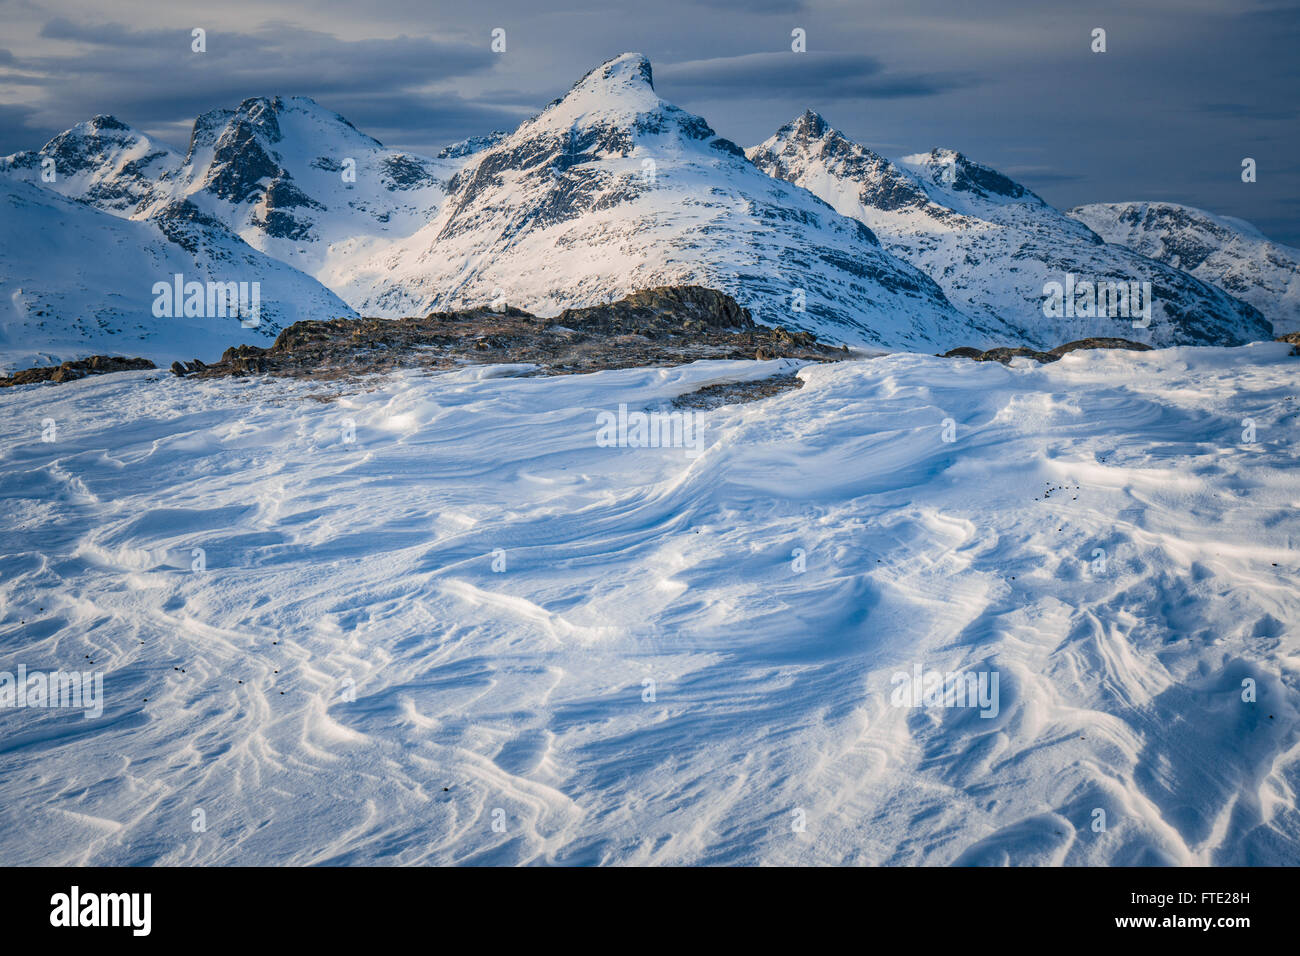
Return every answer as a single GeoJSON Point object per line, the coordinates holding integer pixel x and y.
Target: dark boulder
{"type": "Point", "coordinates": [1100, 343]}
{"type": "Point", "coordinates": [1005, 354]}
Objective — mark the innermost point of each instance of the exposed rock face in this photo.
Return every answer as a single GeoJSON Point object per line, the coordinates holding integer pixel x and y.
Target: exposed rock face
{"type": "Point", "coordinates": [1006, 354]}
{"type": "Point", "coordinates": [294, 179]}
{"type": "Point", "coordinates": [694, 307]}
{"type": "Point", "coordinates": [669, 325]}
{"type": "Point", "coordinates": [884, 186]}
{"type": "Point", "coordinates": [1100, 343]}
{"type": "Point", "coordinates": [71, 371]}
{"type": "Point", "coordinates": [181, 369]}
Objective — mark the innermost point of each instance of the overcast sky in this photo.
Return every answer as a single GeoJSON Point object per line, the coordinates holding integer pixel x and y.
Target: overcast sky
{"type": "Point", "coordinates": [1185, 91]}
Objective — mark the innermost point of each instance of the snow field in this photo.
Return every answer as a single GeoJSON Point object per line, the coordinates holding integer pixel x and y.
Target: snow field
{"type": "Point", "coordinates": [349, 680]}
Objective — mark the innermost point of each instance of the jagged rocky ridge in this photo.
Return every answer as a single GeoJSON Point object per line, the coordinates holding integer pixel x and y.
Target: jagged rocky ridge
{"type": "Point", "coordinates": [653, 327]}
{"type": "Point", "coordinates": [303, 184]}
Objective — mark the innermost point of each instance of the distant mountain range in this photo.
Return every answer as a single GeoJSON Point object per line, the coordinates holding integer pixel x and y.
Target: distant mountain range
{"type": "Point", "coordinates": [1230, 253]}
{"type": "Point", "coordinates": [608, 190]}
{"type": "Point", "coordinates": [993, 245]}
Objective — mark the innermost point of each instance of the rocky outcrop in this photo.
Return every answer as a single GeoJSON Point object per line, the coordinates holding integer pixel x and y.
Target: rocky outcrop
{"type": "Point", "coordinates": [669, 325]}
{"type": "Point", "coordinates": [71, 371]}
{"type": "Point", "coordinates": [1099, 342]}
{"type": "Point", "coordinates": [181, 369]}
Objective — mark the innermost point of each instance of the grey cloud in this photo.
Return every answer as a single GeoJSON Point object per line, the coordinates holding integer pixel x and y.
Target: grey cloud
{"type": "Point", "coordinates": [18, 132]}
{"type": "Point", "coordinates": [824, 76]}
{"type": "Point", "coordinates": [421, 123]}
{"type": "Point", "coordinates": [757, 6]}
{"type": "Point", "coordinates": [121, 71]}
{"type": "Point", "coordinates": [1036, 178]}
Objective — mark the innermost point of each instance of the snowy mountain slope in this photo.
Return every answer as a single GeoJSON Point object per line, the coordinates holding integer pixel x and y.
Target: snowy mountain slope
{"type": "Point", "coordinates": [1228, 252]}
{"type": "Point", "coordinates": [650, 675]}
{"type": "Point", "coordinates": [993, 245]}
{"type": "Point", "coordinates": [611, 189]}
{"type": "Point", "coordinates": [77, 281]}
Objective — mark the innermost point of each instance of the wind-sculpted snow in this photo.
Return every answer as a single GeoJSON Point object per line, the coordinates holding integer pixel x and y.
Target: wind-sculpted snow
{"type": "Point", "coordinates": [1232, 254]}
{"type": "Point", "coordinates": [993, 246]}
{"type": "Point", "coordinates": [435, 602]}
{"type": "Point", "coordinates": [610, 190]}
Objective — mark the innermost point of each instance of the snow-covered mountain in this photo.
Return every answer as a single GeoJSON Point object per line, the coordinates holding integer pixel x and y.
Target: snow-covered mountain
{"type": "Point", "coordinates": [472, 144]}
{"type": "Point", "coordinates": [302, 184]}
{"type": "Point", "coordinates": [611, 189]}
{"type": "Point", "coordinates": [87, 282]}
{"type": "Point", "coordinates": [76, 280]}
{"type": "Point", "coordinates": [608, 190]}
{"type": "Point", "coordinates": [993, 245]}
{"type": "Point", "coordinates": [102, 162]}
{"type": "Point", "coordinates": [289, 177]}
{"type": "Point", "coordinates": [1226, 251]}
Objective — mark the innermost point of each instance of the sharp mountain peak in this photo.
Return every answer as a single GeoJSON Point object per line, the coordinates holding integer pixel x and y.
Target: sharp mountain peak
{"type": "Point", "coordinates": [625, 71]}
